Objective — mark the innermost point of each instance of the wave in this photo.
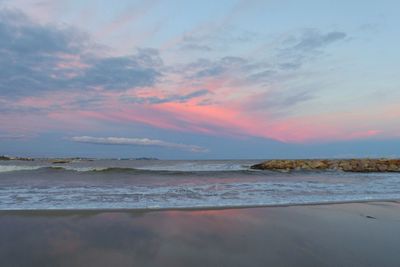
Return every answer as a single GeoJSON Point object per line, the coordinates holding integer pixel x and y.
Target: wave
{"type": "Point", "coordinates": [137, 171]}
{"type": "Point", "coordinates": [149, 170]}
{"type": "Point", "coordinates": [77, 169]}
{"type": "Point", "coordinates": [198, 167]}
{"type": "Point", "coordinates": [13, 168]}
{"type": "Point", "coordinates": [166, 169]}
{"type": "Point", "coordinates": [215, 195]}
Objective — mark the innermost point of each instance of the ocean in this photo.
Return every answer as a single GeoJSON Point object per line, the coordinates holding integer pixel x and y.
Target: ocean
{"type": "Point", "coordinates": [163, 184]}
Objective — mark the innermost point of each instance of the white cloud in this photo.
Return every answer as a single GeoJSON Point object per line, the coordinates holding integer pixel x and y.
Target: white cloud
{"type": "Point", "coordinates": [10, 136]}
{"type": "Point", "coordinates": [136, 142]}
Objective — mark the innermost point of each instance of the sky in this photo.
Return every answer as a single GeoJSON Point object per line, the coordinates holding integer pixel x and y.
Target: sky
{"type": "Point", "coordinates": [200, 79]}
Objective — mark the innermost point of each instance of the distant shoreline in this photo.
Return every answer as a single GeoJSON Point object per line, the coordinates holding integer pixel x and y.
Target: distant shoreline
{"type": "Point", "coordinates": [5, 157]}
{"type": "Point", "coordinates": [68, 159]}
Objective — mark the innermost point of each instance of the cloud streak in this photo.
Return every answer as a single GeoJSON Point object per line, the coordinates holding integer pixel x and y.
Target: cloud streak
{"type": "Point", "coordinates": [167, 99]}
{"type": "Point", "coordinates": [137, 142]}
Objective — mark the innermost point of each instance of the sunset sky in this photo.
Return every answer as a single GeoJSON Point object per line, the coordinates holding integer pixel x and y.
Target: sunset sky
{"type": "Point", "coordinates": [200, 79]}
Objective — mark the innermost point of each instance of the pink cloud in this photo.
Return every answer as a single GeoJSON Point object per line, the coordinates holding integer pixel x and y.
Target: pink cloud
{"type": "Point", "coordinates": [217, 120]}
{"type": "Point", "coordinates": [229, 117]}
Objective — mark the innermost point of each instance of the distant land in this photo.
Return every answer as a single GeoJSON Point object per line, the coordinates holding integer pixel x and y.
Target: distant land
{"type": "Point", "coordinates": [67, 160]}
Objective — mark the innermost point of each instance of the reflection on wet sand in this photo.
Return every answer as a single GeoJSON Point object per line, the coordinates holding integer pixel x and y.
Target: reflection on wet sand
{"type": "Point", "coordinates": [328, 235]}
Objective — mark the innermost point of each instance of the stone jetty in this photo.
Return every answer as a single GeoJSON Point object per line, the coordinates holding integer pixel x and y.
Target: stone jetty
{"type": "Point", "coordinates": [347, 165]}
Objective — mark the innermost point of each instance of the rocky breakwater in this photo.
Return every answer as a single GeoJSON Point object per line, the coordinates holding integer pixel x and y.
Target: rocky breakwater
{"type": "Point", "coordinates": [347, 165]}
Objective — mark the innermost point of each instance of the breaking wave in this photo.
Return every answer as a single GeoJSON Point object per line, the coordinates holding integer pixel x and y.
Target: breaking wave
{"type": "Point", "coordinates": [13, 168]}
{"type": "Point", "coordinates": [173, 169]}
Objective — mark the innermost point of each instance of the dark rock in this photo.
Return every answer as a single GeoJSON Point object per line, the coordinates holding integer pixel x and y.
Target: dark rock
{"type": "Point", "coordinates": [60, 161]}
{"type": "Point", "coordinates": [15, 158]}
{"type": "Point", "coordinates": [347, 165]}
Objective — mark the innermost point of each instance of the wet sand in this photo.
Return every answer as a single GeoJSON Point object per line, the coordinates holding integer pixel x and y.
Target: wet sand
{"type": "Point", "coordinates": [350, 234]}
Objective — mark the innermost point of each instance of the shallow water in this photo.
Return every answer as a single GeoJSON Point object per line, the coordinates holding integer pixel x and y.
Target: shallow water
{"type": "Point", "coordinates": [153, 184]}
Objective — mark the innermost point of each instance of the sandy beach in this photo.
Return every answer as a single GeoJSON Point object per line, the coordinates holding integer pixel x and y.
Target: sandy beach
{"type": "Point", "coordinates": [350, 234]}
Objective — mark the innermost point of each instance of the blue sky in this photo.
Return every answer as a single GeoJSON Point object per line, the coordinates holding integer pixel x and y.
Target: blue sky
{"type": "Point", "coordinates": [199, 79]}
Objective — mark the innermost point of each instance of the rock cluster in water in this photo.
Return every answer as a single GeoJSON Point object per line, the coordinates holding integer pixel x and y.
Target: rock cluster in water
{"type": "Point", "coordinates": [15, 158]}
{"type": "Point", "coordinates": [347, 165]}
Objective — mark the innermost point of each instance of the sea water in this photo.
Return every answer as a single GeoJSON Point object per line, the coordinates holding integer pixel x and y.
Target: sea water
{"type": "Point", "coordinates": [159, 184]}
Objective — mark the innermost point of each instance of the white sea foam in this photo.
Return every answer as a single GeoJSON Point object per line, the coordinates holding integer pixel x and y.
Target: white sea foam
{"type": "Point", "coordinates": [196, 167]}
{"type": "Point", "coordinates": [12, 168]}
{"type": "Point", "coordinates": [130, 196]}
{"type": "Point", "coordinates": [82, 169]}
